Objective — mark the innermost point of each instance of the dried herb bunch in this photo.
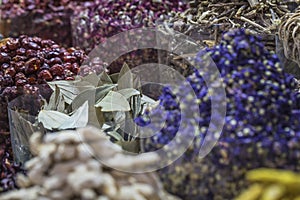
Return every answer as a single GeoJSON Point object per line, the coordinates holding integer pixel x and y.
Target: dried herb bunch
{"type": "Point", "coordinates": [65, 168]}
{"type": "Point", "coordinates": [289, 35]}
{"type": "Point", "coordinates": [47, 19]}
{"type": "Point", "coordinates": [260, 17]}
{"type": "Point", "coordinates": [262, 126]}
{"type": "Point", "coordinates": [271, 184]}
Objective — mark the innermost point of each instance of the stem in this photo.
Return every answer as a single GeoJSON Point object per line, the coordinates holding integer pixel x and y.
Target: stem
{"type": "Point", "coordinates": [253, 23]}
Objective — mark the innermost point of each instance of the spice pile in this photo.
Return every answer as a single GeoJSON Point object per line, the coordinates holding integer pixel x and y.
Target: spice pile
{"type": "Point", "coordinates": [261, 125]}
{"type": "Point", "coordinates": [270, 184]}
{"type": "Point", "coordinates": [47, 19]}
{"type": "Point", "coordinates": [218, 16]}
{"type": "Point", "coordinates": [65, 168]}
{"type": "Point", "coordinates": [104, 19]}
{"type": "Point", "coordinates": [26, 63]}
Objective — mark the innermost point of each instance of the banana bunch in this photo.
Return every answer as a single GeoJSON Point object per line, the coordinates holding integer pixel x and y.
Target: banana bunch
{"type": "Point", "coordinates": [272, 184]}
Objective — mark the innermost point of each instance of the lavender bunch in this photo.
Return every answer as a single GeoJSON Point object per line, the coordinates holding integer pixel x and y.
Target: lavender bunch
{"type": "Point", "coordinates": [261, 124]}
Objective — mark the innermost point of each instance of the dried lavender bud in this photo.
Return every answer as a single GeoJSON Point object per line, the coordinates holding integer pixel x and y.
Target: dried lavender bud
{"type": "Point", "coordinates": [261, 120]}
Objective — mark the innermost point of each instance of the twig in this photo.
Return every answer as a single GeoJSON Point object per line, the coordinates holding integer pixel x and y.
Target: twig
{"type": "Point", "coordinates": [227, 4]}
{"type": "Point", "coordinates": [252, 23]}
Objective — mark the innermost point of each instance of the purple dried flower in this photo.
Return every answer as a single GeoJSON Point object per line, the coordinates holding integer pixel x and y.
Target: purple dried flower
{"type": "Point", "coordinates": [262, 119]}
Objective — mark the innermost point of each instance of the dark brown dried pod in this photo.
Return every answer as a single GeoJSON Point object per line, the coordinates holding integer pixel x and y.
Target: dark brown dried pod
{"type": "Point", "coordinates": [25, 66]}
{"type": "Point", "coordinates": [45, 19]}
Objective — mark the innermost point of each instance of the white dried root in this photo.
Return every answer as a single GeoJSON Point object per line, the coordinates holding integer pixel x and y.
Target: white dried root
{"type": "Point", "coordinates": [66, 167]}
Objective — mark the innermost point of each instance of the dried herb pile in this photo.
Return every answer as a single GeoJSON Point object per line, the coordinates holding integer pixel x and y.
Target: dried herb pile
{"type": "Point", "coordinates": [109, 102]}
{"type": "Point", "coordinates": [261, 125]}
{"type": "Point", "coordinates": [26, 63]}
{"type": "Point", "coordinates": [47, 19]}
{"type": "Point", "coordinates": [65, 167]}
{"type": "Point", "coordinates": [104, 19]}
{"type": "Point", "coordinates": [260, 17]}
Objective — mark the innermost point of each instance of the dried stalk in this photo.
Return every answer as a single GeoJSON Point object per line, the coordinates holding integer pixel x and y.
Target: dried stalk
{"type": "Point", "coordinates": [290, 36]}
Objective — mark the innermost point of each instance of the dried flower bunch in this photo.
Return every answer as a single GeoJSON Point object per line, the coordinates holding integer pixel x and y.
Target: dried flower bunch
{"type": "Point", "coordinates": [65, 168]}
{"type": "Point", "coordinates": [261, 126]}
{"type": "Point", "coordinates": [39, 18]}
{"type": "Point", "coordinates": [271, 184]}
{"type": "Point", "coordinates": [289, 34]}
